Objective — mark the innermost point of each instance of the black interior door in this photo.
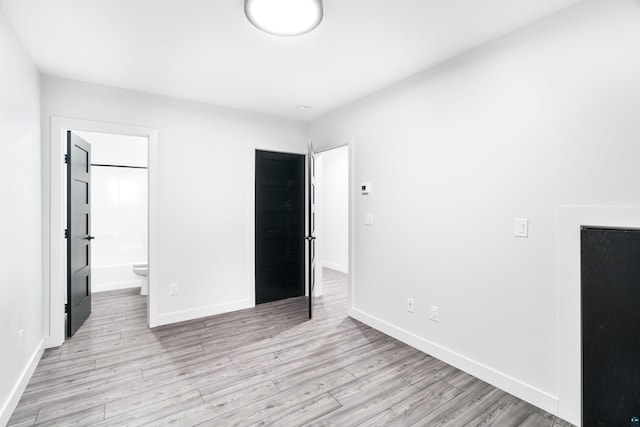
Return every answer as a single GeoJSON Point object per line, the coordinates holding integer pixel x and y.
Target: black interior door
{"type": "Point", "coordinates": [78, 232]}
{"type": "Point", "coordinates": [610, 276]}
{"type": "Point", "coordinates": [279, 226]}
{"type": "Point", "coordinates": [311, 224]}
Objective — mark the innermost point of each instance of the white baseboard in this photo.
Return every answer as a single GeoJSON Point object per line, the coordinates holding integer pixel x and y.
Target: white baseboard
{"type": "Point", "coordinates": [498, 379]}
{"type": "Point", "coordinates": [341, 268]}
{"type": "Point", "coordinates": [14, 397]}
{"type": "Point", "coordinates": [115, 286]}
{"type": "Point", "coordinates": [197, 313]}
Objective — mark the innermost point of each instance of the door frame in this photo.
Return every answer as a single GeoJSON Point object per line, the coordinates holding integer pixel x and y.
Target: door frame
{"type": "Point", "coordinates": [54, 293]}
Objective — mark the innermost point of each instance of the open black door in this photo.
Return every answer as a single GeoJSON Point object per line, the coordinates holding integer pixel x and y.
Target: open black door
{"type": "Point", "coordinates": [279, 226]}
{"type": "Point", "coordinates": [78, 232]}
{"type": "Point", "coordinates": [311, 224]}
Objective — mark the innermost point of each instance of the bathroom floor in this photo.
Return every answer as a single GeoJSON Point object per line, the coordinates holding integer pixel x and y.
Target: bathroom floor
{"type": "Point", "coordinates": [266, 365]}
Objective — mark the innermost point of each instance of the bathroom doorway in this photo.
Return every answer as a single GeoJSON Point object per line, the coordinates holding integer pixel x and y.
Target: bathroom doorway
{"type": "Point", "coordinates": [118, 204]}
{"type": "Point", "coordinates": [56, 262]}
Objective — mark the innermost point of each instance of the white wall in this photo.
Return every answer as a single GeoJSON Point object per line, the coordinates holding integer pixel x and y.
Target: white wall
{"type": "Point", "coordinates": [335, 209]}
{"type": "Point", "coordinates": [21, 306]}
{"type": "Point", "coordinates": [205, 187]}
{"type": "Point", "coordinates": [114, 149]}
{"type": "Point", "coordinates": [545, 117]}
{"type": "Point", "coordinates": [118, 209]}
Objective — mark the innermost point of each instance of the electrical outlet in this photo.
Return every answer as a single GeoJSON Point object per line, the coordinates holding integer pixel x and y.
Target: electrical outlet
{"type": "Point", "coordinates": [411, 305]}
{"type": "Point", "coordinates": [435, 315]}
{"type": "Point", "coordinates": [174, 289]}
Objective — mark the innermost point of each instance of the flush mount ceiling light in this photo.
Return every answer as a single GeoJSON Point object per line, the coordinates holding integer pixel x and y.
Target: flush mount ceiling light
{"type": "Point", "coordinates": [284, 17]}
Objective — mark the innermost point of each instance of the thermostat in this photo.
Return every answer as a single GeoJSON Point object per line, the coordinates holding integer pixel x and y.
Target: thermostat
{"type": "Point", "coordinates": [366, 188]}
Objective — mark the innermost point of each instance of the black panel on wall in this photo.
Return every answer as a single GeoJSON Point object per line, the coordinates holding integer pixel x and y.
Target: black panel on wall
{"type": "Point", "coordinates": [610, 276]}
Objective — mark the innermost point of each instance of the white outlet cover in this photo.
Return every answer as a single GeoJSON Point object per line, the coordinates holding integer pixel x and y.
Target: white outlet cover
{"type": "Point", "coordinates": [173, 289]}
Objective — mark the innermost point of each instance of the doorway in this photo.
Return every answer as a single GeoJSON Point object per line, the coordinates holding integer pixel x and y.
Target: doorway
{"type": "Point", "coordinates": [55, 262]}
{"type": "Point", "coordinates": [280, 247]}
{"type": "Point", "coordinates": [114, 239]}
{"type": "Point", "coordinates": [332, 169]}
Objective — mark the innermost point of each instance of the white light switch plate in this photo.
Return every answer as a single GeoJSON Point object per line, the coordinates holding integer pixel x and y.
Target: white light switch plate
{"type": "Point", "coordinates": [435, 313]}
{"type": "Point", "coordinates": [368, 219]}
{"type": "Point", "coordinates": [522, 227]}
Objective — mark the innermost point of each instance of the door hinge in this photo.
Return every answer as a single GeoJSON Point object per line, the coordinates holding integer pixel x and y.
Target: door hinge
{"type": "Point", "coordinates": [66, 308]}
{"type": "Point", "coordinates": [66, 233]}
{"type": "Point", "coordinates": [66, 158]}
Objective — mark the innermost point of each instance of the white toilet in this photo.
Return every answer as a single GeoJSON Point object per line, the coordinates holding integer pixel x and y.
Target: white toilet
{"type": "Point", "coordinates": [142, 270]}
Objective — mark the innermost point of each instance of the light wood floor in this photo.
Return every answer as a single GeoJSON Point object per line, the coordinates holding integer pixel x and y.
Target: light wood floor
{"type": "Point", "coordinates": [263, 366]}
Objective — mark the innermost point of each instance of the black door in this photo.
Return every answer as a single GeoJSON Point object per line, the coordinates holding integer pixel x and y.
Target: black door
{"type": "Point", "coordinates": [610, 276]}
{"type": "Point", "coordinates": [279, 226]}
{"type": "Point", "coordinates": [311, 224]}
{"type": "Point", "coordinates": [78, 232]}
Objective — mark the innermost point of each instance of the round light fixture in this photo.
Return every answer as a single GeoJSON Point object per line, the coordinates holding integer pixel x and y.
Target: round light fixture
{"type": "Point", "coordinates": [284, 17]}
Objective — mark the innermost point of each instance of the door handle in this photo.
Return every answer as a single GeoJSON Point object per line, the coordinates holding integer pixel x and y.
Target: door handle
{"type": "Point", "coordinates": [90, 237]}
{"type": "Point", "coordinates": [310, 238]}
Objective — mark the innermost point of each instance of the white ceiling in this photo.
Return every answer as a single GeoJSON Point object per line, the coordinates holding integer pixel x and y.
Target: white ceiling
{"type": "Point", "coordinates": [206, 50]}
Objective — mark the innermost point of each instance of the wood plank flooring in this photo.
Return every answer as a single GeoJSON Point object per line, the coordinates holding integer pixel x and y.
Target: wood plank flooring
{"type": "Point", "coordinates": [263, 366]}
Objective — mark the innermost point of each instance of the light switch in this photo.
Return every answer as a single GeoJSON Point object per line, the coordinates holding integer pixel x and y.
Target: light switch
{"type": "Point", "coordinates": [522, 227]}
{"type": "Point", "coordinates": [368, 219]}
